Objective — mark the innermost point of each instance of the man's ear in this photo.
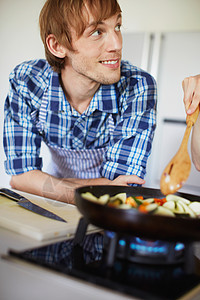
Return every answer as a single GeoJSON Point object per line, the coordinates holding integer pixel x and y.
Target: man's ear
{"type": "Point", "coordinates": [55, 47]}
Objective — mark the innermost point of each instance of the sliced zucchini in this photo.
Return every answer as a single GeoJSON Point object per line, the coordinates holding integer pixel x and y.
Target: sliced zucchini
{"type": "Point", "coordinates": [103, 199]}
{"type": "Point", "coordinates": [172, 197]}
{"type": "Point", "coordinates": [178, 208]}
{"type": "Point", "coordinates": [195, 207]}
{"type": "Point", "coordinates": [121, 196]}
{"type": "Point", "coordinates": [89, 196]}
{"type": "Point", "coordinates": [170, 205]}
{"type": "Point", "coordinates": [151, 207]}
{"type": "Point", "coordinates": [163, 211]}
{"type": "Point", "coordinates": [148, 200]}
{"type": "Point", "coordinates": [125, 206]}
{"type": "Point", "coordinates": [187, 209]}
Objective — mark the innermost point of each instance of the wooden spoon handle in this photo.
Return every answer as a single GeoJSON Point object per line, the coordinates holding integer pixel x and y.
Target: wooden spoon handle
{"type": "Point", "coordinates": [190, 120]}
{"type": "Point", "coordinates": [193, 117]}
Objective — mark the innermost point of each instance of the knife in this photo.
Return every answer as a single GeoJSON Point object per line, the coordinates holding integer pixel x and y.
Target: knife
{"type": "Point", "coordinates": [22, 201]}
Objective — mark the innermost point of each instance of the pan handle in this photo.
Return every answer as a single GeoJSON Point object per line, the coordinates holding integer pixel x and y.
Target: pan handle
{"type": "Point", "coordinates": [80, 232]}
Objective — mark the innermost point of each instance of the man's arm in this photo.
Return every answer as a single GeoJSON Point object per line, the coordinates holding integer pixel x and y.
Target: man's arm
{"type": "Point", "coordinates": [191, 88]}
{"type": "Point", "coordinates": [195, 144]}
{"type": "Point", "coordinates": [45, 185]}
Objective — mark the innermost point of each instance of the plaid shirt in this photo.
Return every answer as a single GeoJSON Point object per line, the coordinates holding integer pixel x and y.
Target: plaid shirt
{"type": "Point", "coordinates": [130, 104]}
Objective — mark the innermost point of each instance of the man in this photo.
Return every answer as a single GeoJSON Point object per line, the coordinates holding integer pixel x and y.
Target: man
{"type": "Point", "coordinates": [191, 88]}
{"type": "Point", "coordinates": [95, 112]}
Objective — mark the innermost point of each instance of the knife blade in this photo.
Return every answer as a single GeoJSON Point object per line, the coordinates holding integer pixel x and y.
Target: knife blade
{"type": "Point", "coordinates": [25, 203]}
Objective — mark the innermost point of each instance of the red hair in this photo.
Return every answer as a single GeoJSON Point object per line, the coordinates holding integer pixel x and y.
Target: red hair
{"type": "Point", "coordinates": [57, 17]}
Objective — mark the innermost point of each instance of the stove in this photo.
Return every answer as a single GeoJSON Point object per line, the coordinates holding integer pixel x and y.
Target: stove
{"type": "Point", "coordinates": [154, 252]}
{"type": "Point", "coordinates": [145, 269]}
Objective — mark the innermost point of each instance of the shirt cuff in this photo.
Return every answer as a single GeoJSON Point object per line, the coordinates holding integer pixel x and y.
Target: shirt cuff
{"type": "Point", "coordinates": [111, 170]}
{"type": "Point", "coordinates": [22, 164]}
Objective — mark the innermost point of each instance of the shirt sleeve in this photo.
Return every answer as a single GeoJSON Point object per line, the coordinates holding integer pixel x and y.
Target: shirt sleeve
{"type": "Point", "coordinates": [131, 143]}
{"type": "Point", "coordinates": [21, 139]}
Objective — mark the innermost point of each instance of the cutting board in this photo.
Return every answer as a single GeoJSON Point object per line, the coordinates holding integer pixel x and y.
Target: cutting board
{"type": "Point", "coordinates": [25, 222]}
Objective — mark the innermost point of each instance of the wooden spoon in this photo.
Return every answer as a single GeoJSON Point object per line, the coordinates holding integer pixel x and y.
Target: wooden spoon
{"type": "Point", "coordinates": [177, 171]}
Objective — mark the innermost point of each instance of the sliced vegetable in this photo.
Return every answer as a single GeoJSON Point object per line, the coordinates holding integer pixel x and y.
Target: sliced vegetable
{"type": "Point", "coordinates": [125, 206]}
{"type": "Point", "coordinates": [143, 208]}
{"type": "Point", "coordinates": [131, 201]}
{"type": "Point", "coordinates": [151, 207]}
{"type": "Point", "coordinates": [178, 208]}
{"type": "Point", "coordinates": [163, 211]}
{"type": "Point", "coordinates": [89, 196]}
{"type": "Point", "coordinates": [187, 209]}
{"type": "Point", "coordinates": [138, 200]}
{"type": "Point", "coordinates": [160, 201]}
{"type": "Point", "coordinates": [172, 205]}
{"type": "Point", "coordinates": [195, 206]}
{"type": "Point", "coordinates": [104, 199]}
{"type": "Point", "coordinates": [121, 196]}
{"type": "Point", "coordinates": [115, 203]}
{"type": "Point", "coordinates": [172, 197]}
{"type": "Point", "coordinates": [148, 201]}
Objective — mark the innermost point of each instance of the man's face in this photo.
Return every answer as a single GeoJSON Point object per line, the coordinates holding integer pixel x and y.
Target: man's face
{"type": "Point", "coordinates": [97, 53]}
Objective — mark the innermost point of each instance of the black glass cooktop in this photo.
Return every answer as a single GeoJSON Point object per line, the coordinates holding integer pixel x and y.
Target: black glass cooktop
{"type": "Point", "coordinates": [88, 263]}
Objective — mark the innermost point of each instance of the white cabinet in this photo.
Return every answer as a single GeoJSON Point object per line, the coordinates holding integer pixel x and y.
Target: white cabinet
{"type": "Point", "coordinates": [169, 57]}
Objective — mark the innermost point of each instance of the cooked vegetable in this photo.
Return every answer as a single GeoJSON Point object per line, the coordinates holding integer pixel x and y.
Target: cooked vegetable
{"type": "Point", "coordinates": [172, 205]}
{"type": "Point", "coordinates": [164, 211]}
{"type": "Point", "coordinates": [121, 196]}
{"type": "Point", "coordinates": [131, 201]}
{"type": "Point", "coordinates": [89, 196]}
{"type": "Point", "coordinates": [195, 207]}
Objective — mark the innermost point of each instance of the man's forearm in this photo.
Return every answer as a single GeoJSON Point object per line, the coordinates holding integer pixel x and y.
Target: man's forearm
{"type": "Point", "coordinates": [44, 185]}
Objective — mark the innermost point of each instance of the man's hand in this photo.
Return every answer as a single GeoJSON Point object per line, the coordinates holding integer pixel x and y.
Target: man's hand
{"type": "Point", "coordinates": [191, 89]}
{"type": "Point", "coordinates": [127, 179]}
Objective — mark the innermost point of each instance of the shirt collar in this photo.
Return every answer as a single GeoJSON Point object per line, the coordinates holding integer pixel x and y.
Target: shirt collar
{"type": "Point", "coordinates": [105, 99]}
{"type": "Point", "coordinates": [57, 99]}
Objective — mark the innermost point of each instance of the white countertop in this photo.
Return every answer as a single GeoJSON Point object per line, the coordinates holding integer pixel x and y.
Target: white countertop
{"type": "Point", "coordinates": [21, 280]}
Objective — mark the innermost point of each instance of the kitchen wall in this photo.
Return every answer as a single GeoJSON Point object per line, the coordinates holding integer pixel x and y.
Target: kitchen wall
{"type": "Point", "coordinates": [20, 40]}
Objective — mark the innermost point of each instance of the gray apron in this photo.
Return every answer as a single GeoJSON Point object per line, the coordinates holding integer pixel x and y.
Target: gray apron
{"type": "Point", "coordinates": [72, 163]}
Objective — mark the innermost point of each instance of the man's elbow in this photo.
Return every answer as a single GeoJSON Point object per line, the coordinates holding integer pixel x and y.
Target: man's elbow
{"type": "Point", "coordinates": [17, 182]}
{"type": "Point", "coordinates": [12, 182]}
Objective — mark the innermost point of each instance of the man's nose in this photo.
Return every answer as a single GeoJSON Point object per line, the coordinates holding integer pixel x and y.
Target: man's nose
{"type": "Point", "coordinates": [114, 41]}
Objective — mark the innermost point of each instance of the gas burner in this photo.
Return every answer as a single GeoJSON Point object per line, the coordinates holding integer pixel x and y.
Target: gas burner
{"type": "Point", "coordinates": [150, 252]}
{"type": "Point", "coordinates": [140, 250]}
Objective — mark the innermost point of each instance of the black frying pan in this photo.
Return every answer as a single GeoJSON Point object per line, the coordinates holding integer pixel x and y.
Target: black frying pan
{"type": "Point", "coordinates": [131, 221]}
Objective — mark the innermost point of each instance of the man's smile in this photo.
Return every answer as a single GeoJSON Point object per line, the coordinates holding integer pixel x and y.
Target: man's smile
{"type": "Point", "coordinates": [111, 63]}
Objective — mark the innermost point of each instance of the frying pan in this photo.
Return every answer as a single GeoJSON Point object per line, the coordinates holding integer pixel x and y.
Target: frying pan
{"type": "Point", "coordinates": [133, 222]}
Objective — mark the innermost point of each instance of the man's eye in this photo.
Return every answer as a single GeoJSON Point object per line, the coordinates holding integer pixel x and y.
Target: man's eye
{"type": "Point", "coordinates": [96, 33]}
{"type": "Point", "coordinates": [118, 27]}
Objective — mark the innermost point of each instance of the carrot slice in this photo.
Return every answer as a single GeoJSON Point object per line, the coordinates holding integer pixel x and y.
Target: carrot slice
{"type": "Point", "coordinates": [142, 208]}
{"type": "Point", "coordinates": [140, 197]}
{"type": "Point", "coordinates": [131, 201]}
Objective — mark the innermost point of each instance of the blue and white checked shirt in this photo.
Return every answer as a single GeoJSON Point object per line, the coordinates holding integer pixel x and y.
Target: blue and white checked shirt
{"type": "Point", "coordinates": [130, 104]}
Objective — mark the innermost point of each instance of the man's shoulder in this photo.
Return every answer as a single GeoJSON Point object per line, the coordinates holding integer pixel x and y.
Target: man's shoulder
{"type": "Point", "coordinates": [133, 74]}
{"type": "Point", "coordinates": [39, 69]}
